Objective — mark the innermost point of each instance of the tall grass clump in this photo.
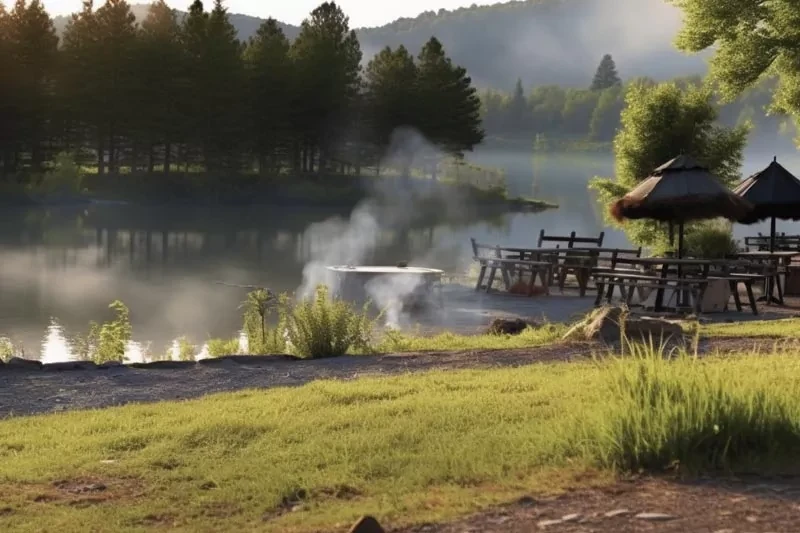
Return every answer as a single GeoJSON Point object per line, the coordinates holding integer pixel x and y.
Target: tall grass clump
{"type": "Point", "coordinates": [107, 341]}
{"type": "Point", "coordinates": [259, 307]}
{"type": "Point", "coordinates": [675, 410]}
{"type": "Point", "coordinates": [327, 327]}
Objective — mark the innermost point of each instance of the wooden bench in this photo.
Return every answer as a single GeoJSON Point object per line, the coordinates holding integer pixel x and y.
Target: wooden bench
{"type": "Point", "coordinates": [628, 282]}
{"type": "Point", "coordinates": [571, 240]}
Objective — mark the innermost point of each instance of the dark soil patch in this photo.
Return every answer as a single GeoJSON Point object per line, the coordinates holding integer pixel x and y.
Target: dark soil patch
{"type": "Point", "coordinates": [658, 505]}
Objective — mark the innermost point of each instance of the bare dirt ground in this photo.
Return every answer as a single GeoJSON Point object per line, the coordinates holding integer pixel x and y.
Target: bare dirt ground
{"type": "Point", "coordinates": [659, 505]}
{"type": "Point", "coordinates": [36, 391]}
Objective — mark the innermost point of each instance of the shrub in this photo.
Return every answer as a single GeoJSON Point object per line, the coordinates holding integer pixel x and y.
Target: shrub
{"type": "Point", "coordinates": [183, 349]}
{"type": "Point", "coordinates": [106, 342]}
{"type": "Point", "coordinates": [690, 413]}
{"type": "Point", "coordinates": [7, 349]}
{"type": "Point", "coordinates": [259, 307]}
{"type": "Point", "coordinates": [223, 347]}
{"type": "Point", "coordinates": [327, 327]}
{"type": "Point", "coordinates": [712, 239]}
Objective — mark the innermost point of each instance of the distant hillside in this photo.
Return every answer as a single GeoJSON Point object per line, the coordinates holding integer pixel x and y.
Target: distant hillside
{"type": "Point", "coordinates": [540, 41]}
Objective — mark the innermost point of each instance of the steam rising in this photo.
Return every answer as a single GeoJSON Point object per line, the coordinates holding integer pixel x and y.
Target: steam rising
{"type": "Point", "coordinates": [391, 207]}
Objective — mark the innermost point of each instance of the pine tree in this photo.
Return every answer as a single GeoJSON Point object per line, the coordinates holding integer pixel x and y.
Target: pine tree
{"type": "Point", "coordinates": [328, 57]}
{"type": "Point", "coordinates": [162, 79]}
{"type": "Point", "coordinates": [450, 107]}
{"type": "Point", "coordinates": [269, 72]}
{"type": "Point", "coordinates": [215, 66]}
{"type": "Point", "coordinates": [391, 85]}
{"type": "Point", "coordinates": [33, 47]}
{"type": "Point", "coordinates": [518, 114]}
{"type": "Point", "coordinates": [9, 110]}
{"type": "Point", "coordinates": [606, 75]}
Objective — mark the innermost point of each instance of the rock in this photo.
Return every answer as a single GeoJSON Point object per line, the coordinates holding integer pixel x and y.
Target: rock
{"type": "Point", "coordinates": [547, 523]}
{"type": "Point", "coordinates": [526, 501]}
{"type": "Point", "coordinates": [164, 365]}
{"type": "Point", "coordinates": [650, 328]}
{"type": "Point", "coordinates": [607, 324]}
{"type": "Point", "coordinates": [502, 326]}
{"type": "Point", "coordinates": [724, 531]}
{"type": "Point", "coordinates": [655, 517]}
{"type": "Point", "coordinates": [70, 365]}
{"type": "Point", "coordinates": [17, 363]}
{"type": "Point", "coordinates": [217, 362]}
{"type": "Point", "coordinates": [617, 512]}
{"type": "Point", "coordinates": [751, 519]}
{"type": "Point", "coordinates": [110, 364]}
{"type": "Point", "coordinates": [367, 524]}
{"type": "Point", "coordinates": [571, 517]}
{"type": "Point", "coordinates": [208, 485]}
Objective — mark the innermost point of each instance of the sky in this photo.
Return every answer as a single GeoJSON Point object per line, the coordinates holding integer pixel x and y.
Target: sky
{"type": "Point", "coordinates": [362, 13]}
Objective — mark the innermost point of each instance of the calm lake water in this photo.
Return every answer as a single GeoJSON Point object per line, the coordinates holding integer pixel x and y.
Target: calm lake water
{"type": "Point", "coordinates": [166, 263]}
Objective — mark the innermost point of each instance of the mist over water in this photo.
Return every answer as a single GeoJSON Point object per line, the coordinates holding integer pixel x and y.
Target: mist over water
{"type": "Point", "coordinates": [70, 264]}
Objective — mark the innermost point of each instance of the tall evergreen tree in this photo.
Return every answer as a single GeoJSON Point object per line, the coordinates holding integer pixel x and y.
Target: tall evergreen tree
{"type": "Point", "coordinates": [518, 114]}
{"type": "Point", "coordinates": [270, 87]}
{"type": "Point", "coordinates": [77, 91]}
{"type": "Point", "coordinates": [33, 48]}
{"type": "Point", "coordinates": [162, 79]}
{"type": "Point", "coordinates": [606, 75]}
{"type": "Point", "coordinates": [328, 58]}
{"type": "Point", "coordinates": [391, 87]}
{"type": "Point", "coordinates": [9, 116]}
{"type": "Point", "coordinates": [449, 103]}
{"type": "Point", "coordinates": [216, 74]}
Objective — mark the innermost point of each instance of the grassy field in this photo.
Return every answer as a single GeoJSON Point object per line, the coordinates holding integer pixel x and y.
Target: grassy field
{"type": "Point", "coordinates": [788, 328]}
{"type": "Point", "coordinates": [406, 449]}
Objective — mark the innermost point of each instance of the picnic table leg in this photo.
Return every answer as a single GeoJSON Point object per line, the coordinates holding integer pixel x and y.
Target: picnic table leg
{"type": "Point", "coordinates": [735, 292]}
{"type": "Point", "coordinates": [481, 275]}
{"type": "Point", "coordinates": [698, 302]}
{"type": "Point", "coordinates": [610, 291]}
{"type": "Point", "coordinates": [778, 286]}
{"type": "Point", "coordinates": [600, 286]}
{"type": "Point", "coordinates": [659, 304]}
{"type": "Point", "coordinates": [631, 290]}
{"type": "Point", "coordinates": [749, 286]}
{"type": "Point", "coordinates": [583, 281]}
{"type": "Point", "coordinates": [506, 273]}
{"type": "Point", "coordinates": [545, 274]}
{"type": "Point", "coordinates": [489, 282]}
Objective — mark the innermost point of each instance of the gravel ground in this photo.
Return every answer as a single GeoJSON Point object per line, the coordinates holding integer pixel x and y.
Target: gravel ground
{"type": "Point", "coordinates": [26, 392]}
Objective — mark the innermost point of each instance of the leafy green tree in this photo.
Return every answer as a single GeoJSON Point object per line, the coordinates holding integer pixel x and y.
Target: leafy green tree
{"type": "Point", "coordinates": [518, 112]}
{"type": "Point", "coordinates": [606, 115]}
{"type": "Point", "coordinates": [659, 123]}
{"type": "Point", "coordinates": [449, 104]}
{"type": "Point", "coordinates": [606, 75]}
{"type": "Point", "coordinates": [751, 40]}
{"type": "Point", "coordinates": [327, 56]}
{"type": "Point", "coordinates": [270, 92]}
{"type": "Point", "coordinates": [33, 44]}
{"type": "Point", "coordinates": [391, 84]}
{"type": "Point", "coordinates": [161, 69]}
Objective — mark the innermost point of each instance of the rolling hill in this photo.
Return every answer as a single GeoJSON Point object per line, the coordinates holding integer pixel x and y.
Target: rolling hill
{"type": "Point", "coordinates": [539, 41]}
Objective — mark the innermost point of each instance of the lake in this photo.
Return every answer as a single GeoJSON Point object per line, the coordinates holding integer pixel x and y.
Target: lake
{"type": "Point", "coordinates": [167, 264]}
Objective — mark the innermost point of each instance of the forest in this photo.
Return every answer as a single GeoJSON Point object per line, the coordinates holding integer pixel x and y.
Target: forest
{"type": "Point", "coordinates": [590, 117]}
{"type": "Point", "coordinates": [183, 92]}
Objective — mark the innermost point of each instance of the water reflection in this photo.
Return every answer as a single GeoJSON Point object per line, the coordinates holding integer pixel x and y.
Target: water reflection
{"type": "Point", "coordinates": [165, 262]}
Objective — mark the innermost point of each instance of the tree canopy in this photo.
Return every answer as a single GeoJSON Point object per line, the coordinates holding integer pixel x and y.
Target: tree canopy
{"type": "Point", "coordinates": [658, 123]}
{"type": "Point", "coordinates": [751, 40]}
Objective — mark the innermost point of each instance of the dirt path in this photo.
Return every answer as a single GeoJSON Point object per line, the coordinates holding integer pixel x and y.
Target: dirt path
{"type": "Point", "coordinates": [660, 506]}
{"type": "Point", "coordinates": [37, 391]}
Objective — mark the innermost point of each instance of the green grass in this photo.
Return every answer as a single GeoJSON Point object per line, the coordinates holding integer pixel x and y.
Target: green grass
{"type": "Point", "coordinates": [788, 328]}
{"type": "Point", "coordinates": [398, 342]}
{"type": "Point", "coordinates": [407, 449]}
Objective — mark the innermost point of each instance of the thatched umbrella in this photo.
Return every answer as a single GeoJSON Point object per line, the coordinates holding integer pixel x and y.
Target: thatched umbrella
{"type": "Point", "coordinates": [679, 191]}
{"type": "Point", "coordinates": [774, 193]}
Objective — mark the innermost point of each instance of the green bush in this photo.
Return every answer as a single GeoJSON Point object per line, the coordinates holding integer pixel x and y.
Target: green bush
{"type": "Point", "coordinates": [712, 239]}
{"type": "Point", "coordinates": [65, 178]}
{"type": "Point", "coordinates": [327, 327]}
{"type": "Point", "coordinates": [105, 342]}
{"type": "Point", "coordinates": [691, 413]}
{"type": "Point", "coordinates": [7, 349]}
{"type": "Point", "coordinates": [223, 347]}
{"type": "Point", "coordinates": [262, 339]}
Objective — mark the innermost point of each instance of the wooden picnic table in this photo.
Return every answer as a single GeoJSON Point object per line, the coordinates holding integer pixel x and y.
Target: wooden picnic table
{"type": "Point", "coordinates": [778, 260]}
{"type": "Point", "coordinates": [682, 281]}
